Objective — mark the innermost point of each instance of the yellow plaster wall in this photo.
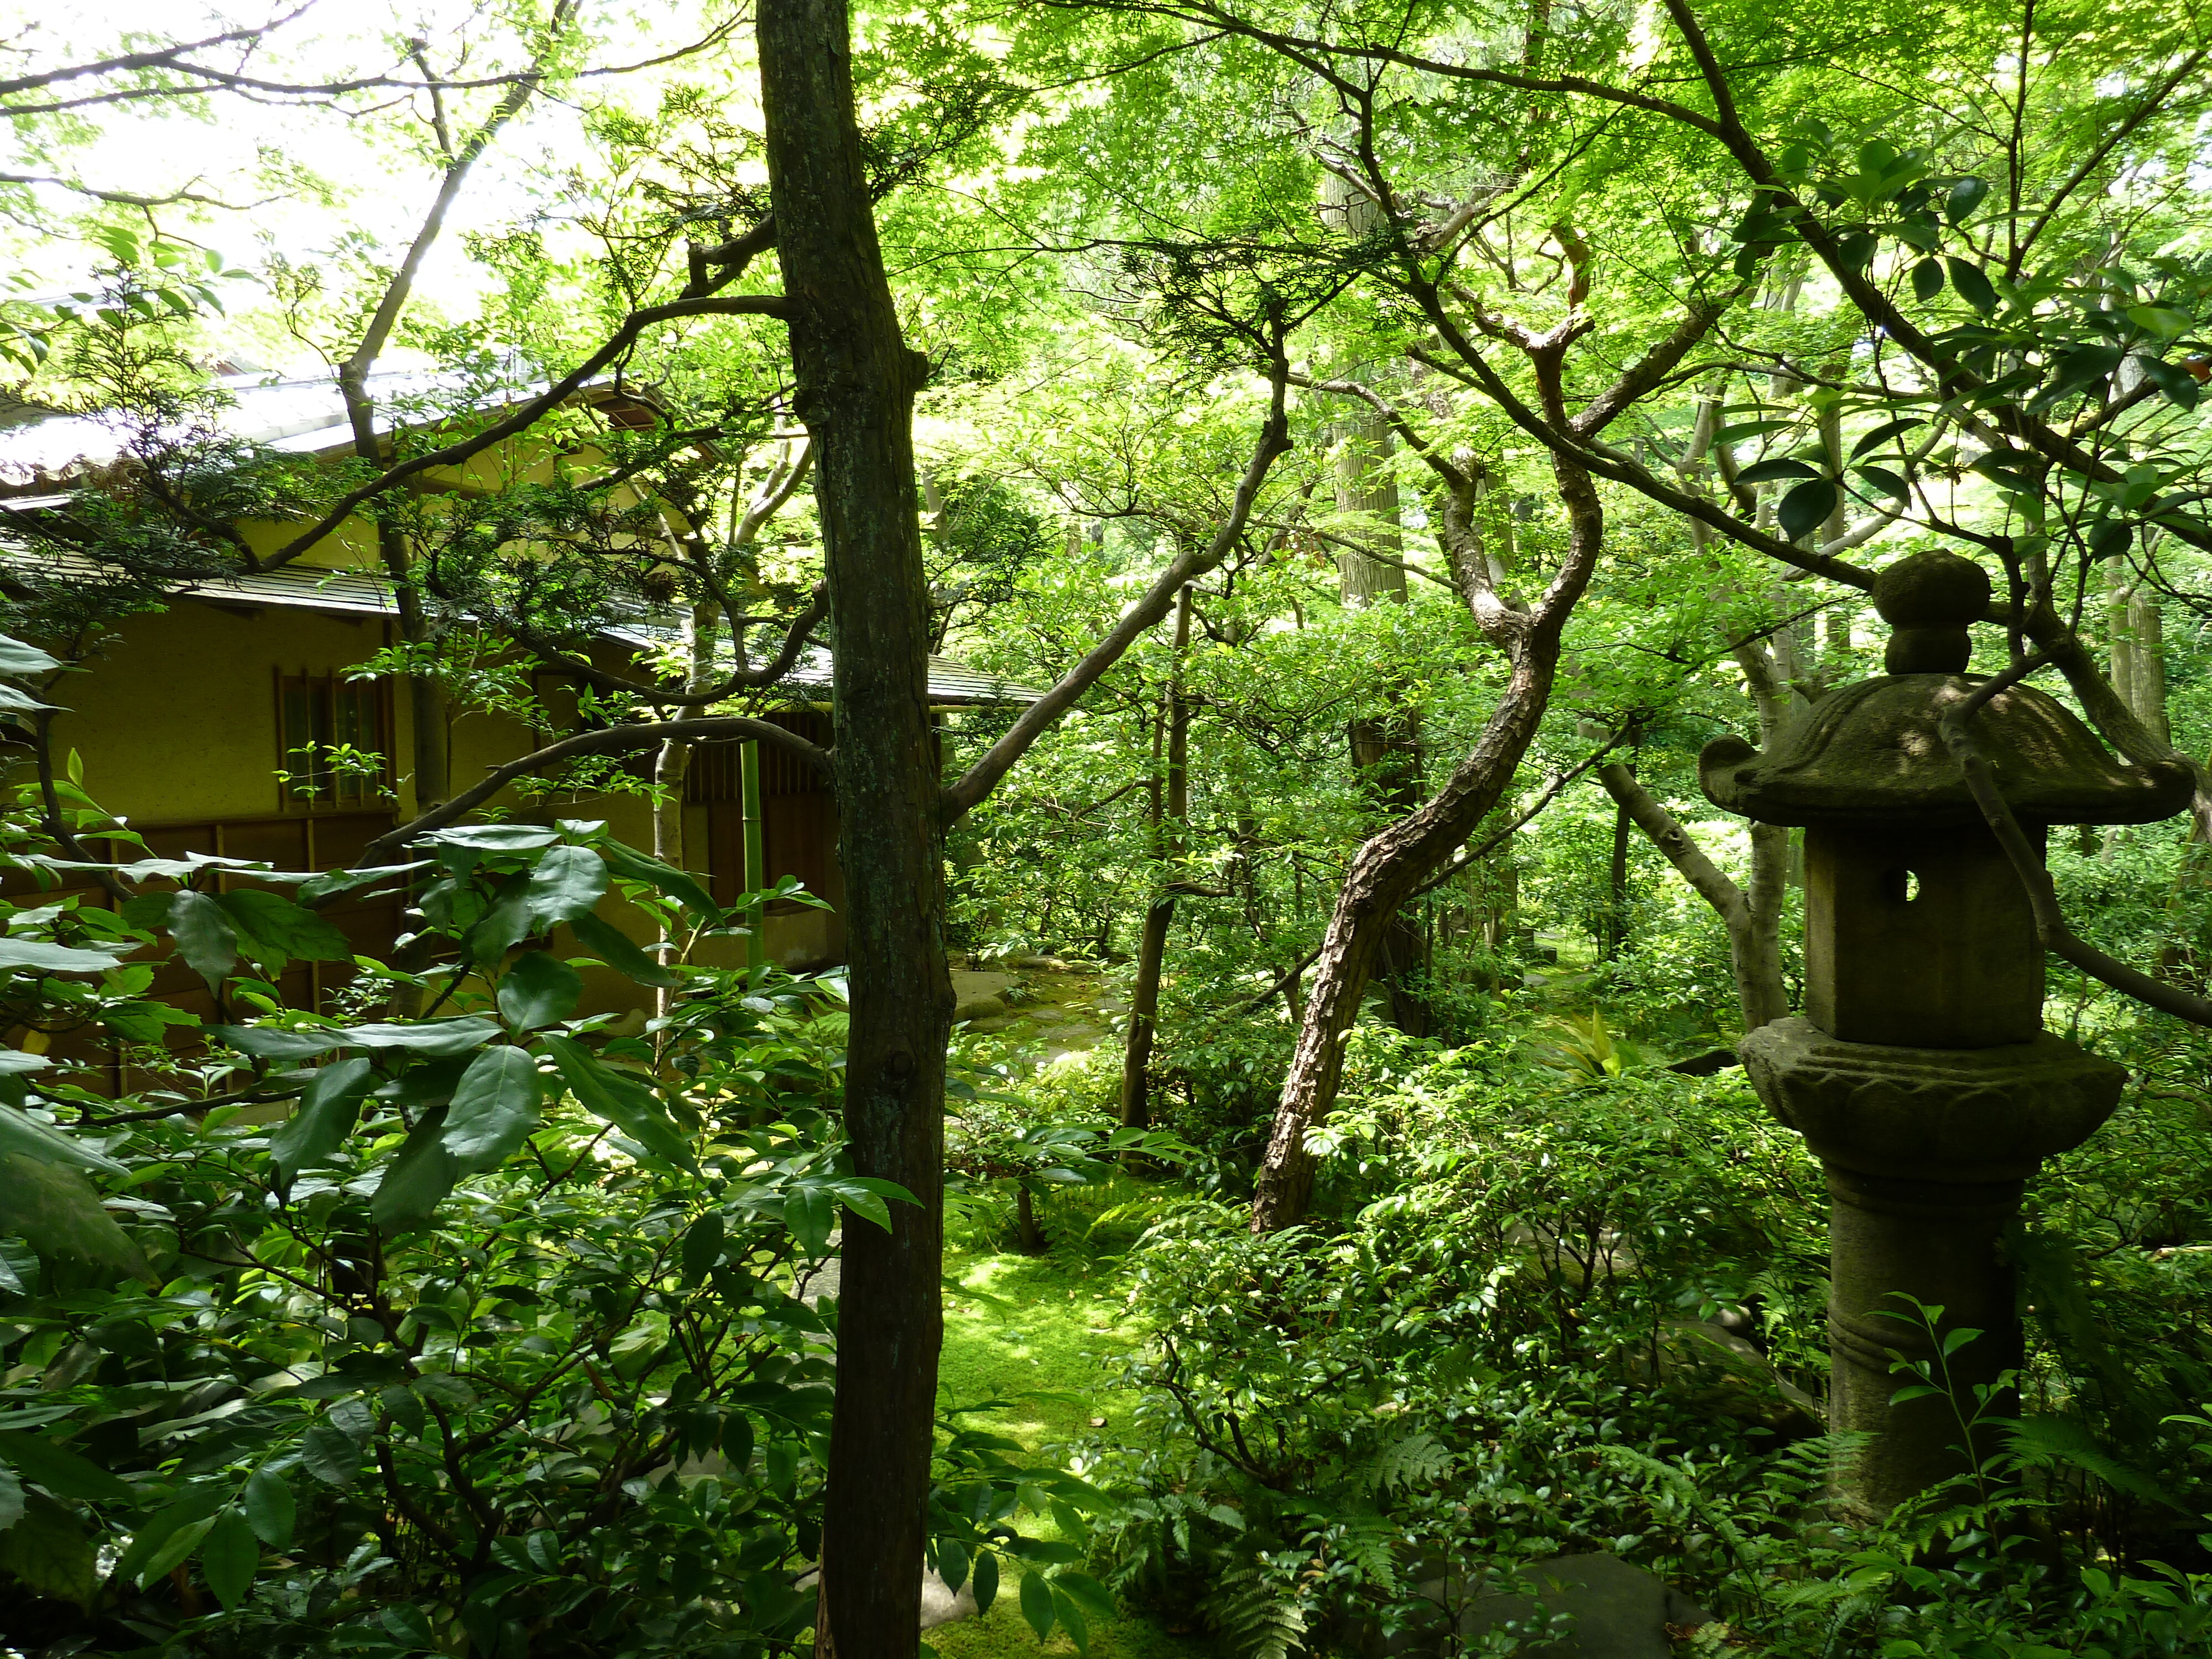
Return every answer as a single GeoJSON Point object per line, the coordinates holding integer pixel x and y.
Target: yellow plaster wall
{"type": "Point", "coordinates": [177, 720]}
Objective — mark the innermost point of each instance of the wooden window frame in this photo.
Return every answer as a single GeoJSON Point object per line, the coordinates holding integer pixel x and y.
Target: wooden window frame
{"type": "Point", "coordinates": [378, 792]}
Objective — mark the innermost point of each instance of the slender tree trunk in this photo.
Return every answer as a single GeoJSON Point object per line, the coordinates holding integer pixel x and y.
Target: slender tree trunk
{"type": "Point", "coordinates": [1754, 943]}
{"type": "Point", "coordinates": [856, 380]}
{"type": "Point", "coordinates": [1616, 890]}
{"type": "Point", "coordinates": [1386, 871]}
{"type": "Point", "coordinates": [1170, 822]}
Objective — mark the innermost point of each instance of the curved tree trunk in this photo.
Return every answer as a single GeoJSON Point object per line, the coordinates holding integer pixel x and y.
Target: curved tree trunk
{"type": "Point", "coordinates": [1170, 817]}
{"type": "Point", "coordinates": [1387, 871]}
{"type": "Point", "coordinates": [856, 380]}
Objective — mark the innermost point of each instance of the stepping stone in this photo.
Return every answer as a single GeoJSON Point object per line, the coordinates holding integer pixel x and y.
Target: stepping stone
{"type": "Point", "coordinates": [1619, 1611]}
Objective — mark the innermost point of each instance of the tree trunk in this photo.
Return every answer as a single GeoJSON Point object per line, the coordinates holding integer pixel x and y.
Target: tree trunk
{"type": "Point", "coordinates": [855, 381]}
{"type": "Point", "coordinates": [1026, 1218]}
{"type": "Point", "coordinates": [1169, 825]}
{"type": "Point", "coordinates": [1385, 752]}
{"type": "Point", "coordinates": [1386, 871]}
{"type": "Point", "coordinates": [1754, 937]}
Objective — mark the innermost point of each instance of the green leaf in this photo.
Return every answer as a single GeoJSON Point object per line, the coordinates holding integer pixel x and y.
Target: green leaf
{"type": "Point", "coordinates": [538, 989]}
{"type": "Point", "coordinates": [43, 956]}
{"type": "Point", "coordinates": [2081, 368]}
{"type": "Point", "coordinates": [16, 700]}
{"type": "Point", "coordinates": [229, 1558]}
{"type": "Point", "coordinates": [406, 1625]}
{"type": "Point", "coordinates": [2161, 322]}
{"type": "Point", "coordinates": [1036, 1604]}
{"type": "Point", "coordinates": [1882, 433]}
{"type": "Point", "coordinates": [1888, 482]}
{"type": "Point", "coordinates": [334, 882]}
{"type": "Point", "coordinates": [493, 1108]}
{"type": "Point", "coordinates": [47, 1552]}
{"type": "Point", "coordinates": [282, 928]}
{"type": "Point", "coordinates": [325, 1117]}
{"type": "Point", "coordinates": [811, 1212]}
{"type": "Point", "coordinates": [1804, 508]}
{"type": "Point", "coordinates": [20, 1133]}
{"type": "Point", "coordinates": [11, 1497]}
{"type": "Point", "coordinates": [202, 932]}
{"type": "Point", "coordinates": [417, 1180]}
{"type": "Point", "coordinates": [703, 1248]}
{"type": "Point", "coordinates": [270, 1508]}
{"type": "Point", "coordinates": [328, 1452]}
{"type": "Point", "coordinates": [952, 1564]}
{"type": "Point", "coordinates": [2176, 382]}
{"type": "Point", "coordinates": [17, 658]}
{"type": "Point", "coordinates": [1767, 471]}
{"type": "Point", "coordinates": [567, 882]}
{"type": "Point", "coordinates": [987, 1582]}
{"type": "Point", "coordinates": [633, 866]}
{"type": "Point", "coordinates": [1972, 286]}
{"type": "Point", "coordinates": [58, 1209]}
{"type": "Point", "coordinates": [1963, 197]}
{"type": "Point", "coordinates": [61, 1473]}
{"type": "Point", "coordinates": [1927, 279]}
{"type": "Point", "coordinates": [625, 1102]}
{"type": "Point", "coordinates": [1743, 429]}
{"type": "Point", "coordinates": [1087, 1593]}
{"type": "Point", "coordinates": [434, 1038]}
{"type": "Point", "coordinates": [494, 837]}
{"type": "Point", "coordinates": [619, 951]}
{"type": "Point", "coordinates": [1070, 1618]}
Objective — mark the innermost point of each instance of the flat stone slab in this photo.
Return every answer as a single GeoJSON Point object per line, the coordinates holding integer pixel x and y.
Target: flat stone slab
{"type": "Point", "coordinates": [1619, 1611]}
{"type": "Point", "coordinates": [978, 995]}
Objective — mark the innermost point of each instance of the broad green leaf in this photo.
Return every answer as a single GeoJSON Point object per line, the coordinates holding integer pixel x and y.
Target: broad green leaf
{"type": "Point", "coordinates": [42, 956]}
{"type": "Point", "coordinates": [407, 1625]}
{"type": "Point", "coordinates": [278, 1042]}
{"type": "Point", "coordinates": [203, 931]}
{"type": "Point", "coordinates": [1036, 1604]}
{"type": "Point", "coordinates": [13, 1061]}
{"type": "Point", "coordinates": [493, 1108]}
{"type": "Point", "coordinates": [16, 700]}
{"type": "Point", "coordinates": [329, 1454]}
{"type": "Point", "coordinates": [625, 1102]}
{"type": "Point", "coordinates": [282, 928]}
{"type": "Point", "coordinates": [810, 1213]}
{"type": "Point", "coordinates": [271, 1510]}
{"type": "Point", "coordinates": [538, 989]}
{"type": "Point", "coordinates": [436, 1038]}
{"type": "Point", "coordinates": [21, 1133]}
{"type": "Point", "coordinates": [191, 1511]}
{"type": "Point", "coordinates": [567, 883]}
{"type": "Point", "coordinates": [987, 1581]}
{"type": "Point", "coordinates": [2081, 368]}
{"type": "Point", "coordinates": [1927, 279]}
{"type": "Point", "coordinates": [1803, 508]}
{"type": "Point", "coordinates": [61, 1472]}
{"type": "Point", "coordinates": [229, 1558]}
{"type": "Point", "coordinates": [1743, 429]}
{"type": "Point", "coordinates": [11, 1497]}
{"type": "Point", "coordinates": [48, 1554]}
{"type": "Point", "coordinates": [679, 884]}
{"type": "Point", "coordinates": [325, 1117]}
{"type": "Point", "coordinates": [495, 837]}
{"type": "Point", "coordinates": [1070, 1618]}
{"type": "Point", "coordinates": [336, 883]}
{"type": "Point", "coordinates": [619, 951]}
{"type": "Point", "coordinates": [2175, 381]}
{"type": "Point", "coordinates": [416, 1181]}
{"type": "Point", "coordinates": [55, 1208]}
{"type": "Point", "coordinates": [702, 1247]}
{"type": "Point", "coordinates": [1972, 285]}
{"type": "Point", "coordinates": [17, 658]}
{"type": "Point", "coordinates": [1882, 433]}
{"type": "Point", "coordinates": [1888, 482]}
{"type": "Point", "coordinates": [952, 1564]}
{"type": "Point", "coordinates": [505, 924]}
{"type": "Point", "coordinates": [1963, 197]}
{"type": "Point", "coordinates": [1767, 471]}
{"type": "Point", "coordinates": [2162, 321]}
{"type": "Point", "coordinates": [1087, 1593]}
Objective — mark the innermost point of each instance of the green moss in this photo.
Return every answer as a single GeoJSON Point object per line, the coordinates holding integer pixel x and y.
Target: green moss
{"type": "Point", "coordinates": [1036, 1333]}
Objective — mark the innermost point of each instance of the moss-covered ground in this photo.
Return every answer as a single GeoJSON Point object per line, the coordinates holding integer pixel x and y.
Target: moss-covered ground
{"type": "Point", "coordinates": [1040, 1332]}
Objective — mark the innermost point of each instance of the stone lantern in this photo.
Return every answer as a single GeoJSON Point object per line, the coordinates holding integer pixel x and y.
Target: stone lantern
{"type": "Point", "coordinates": [1920, 1074]}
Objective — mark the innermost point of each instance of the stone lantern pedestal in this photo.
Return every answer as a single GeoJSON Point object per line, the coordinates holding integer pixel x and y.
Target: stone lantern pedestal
{"type": "Point", "coordinates": [1920, 1074]}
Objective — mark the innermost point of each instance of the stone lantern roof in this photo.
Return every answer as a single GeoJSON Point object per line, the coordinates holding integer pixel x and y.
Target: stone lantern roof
{"type": "Point", "coordinates": [1871, 753]}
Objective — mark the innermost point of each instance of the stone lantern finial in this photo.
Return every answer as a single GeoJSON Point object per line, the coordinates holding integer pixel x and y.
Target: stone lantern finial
{"type": "Point", "coordinates": [1920, 1074]}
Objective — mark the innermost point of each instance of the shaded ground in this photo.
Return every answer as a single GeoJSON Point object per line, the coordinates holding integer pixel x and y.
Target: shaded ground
{"type": "Point", "coordinates": [1033, 1330]}
{"type": "Point", "coordinates": [1061, 1012]}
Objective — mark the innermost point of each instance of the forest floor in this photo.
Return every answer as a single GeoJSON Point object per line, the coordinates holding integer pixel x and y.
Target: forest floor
{"type": "Point", "coordinates": [1039, 1333]}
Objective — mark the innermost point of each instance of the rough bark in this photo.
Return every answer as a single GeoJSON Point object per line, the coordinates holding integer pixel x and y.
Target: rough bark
{"type": "Point", "coordinates": [1170, 818]}
{"type": "Point", "coordinates": [1754, 940]}
{"type": "Point", "coordinates": [856, 380]}
{"type": "Point", "coordinates": [1394, 864]}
